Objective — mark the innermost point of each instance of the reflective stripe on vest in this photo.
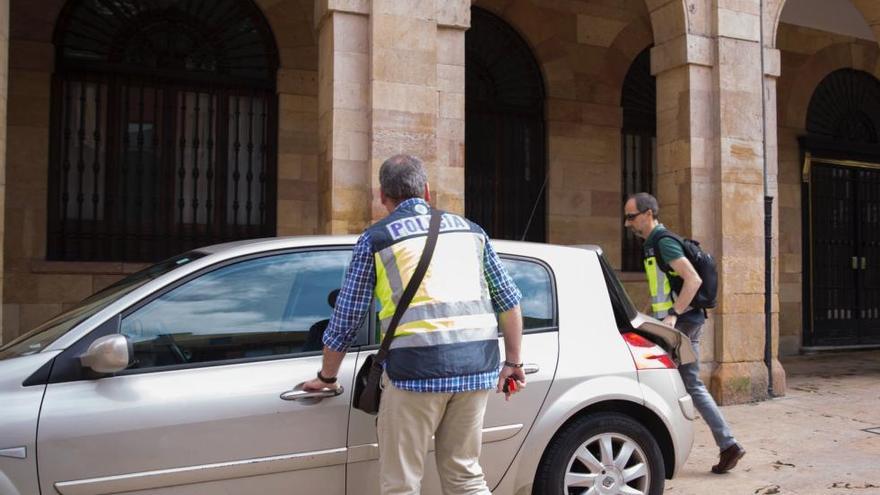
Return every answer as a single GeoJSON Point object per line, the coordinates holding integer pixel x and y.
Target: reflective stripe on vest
{"type": "Point", "coordinates": [658, 287]}
{"type": "Point", "coordinates": [450, 327]}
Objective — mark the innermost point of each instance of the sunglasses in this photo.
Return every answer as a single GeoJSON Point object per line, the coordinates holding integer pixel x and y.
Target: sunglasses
{"type": "Point", "coordinates": [632, 216]}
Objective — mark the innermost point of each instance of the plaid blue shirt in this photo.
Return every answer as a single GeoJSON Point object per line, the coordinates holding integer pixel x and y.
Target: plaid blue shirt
{"type": "Point", "coordinates": [353, 305]}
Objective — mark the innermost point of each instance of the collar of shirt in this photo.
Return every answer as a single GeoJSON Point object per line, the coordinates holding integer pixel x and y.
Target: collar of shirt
{"type": "Point", "coordinates": [410, 204]}
{"type": "Point", "coordinates": [658, 228]}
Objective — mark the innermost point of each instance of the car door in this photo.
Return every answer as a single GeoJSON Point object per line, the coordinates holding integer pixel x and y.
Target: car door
{"type": "Point", "coordinates": [200, 410]}
{"type": "Point", "coordinates": [506, 424]}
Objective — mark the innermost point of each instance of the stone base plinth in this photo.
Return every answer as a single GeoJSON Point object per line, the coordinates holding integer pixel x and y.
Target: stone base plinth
{"type": "Point", "coordinates": [737, 383]}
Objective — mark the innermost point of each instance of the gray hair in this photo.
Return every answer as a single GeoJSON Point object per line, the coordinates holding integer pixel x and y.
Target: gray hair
{"type": "Point", "coordinates": [402, 177]}
{"type": "Point", "coordinates": [645, 202]}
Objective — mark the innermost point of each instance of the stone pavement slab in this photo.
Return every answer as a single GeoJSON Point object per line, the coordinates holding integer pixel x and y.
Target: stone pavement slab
{"type": "Point", "coordinates": [822, 438]}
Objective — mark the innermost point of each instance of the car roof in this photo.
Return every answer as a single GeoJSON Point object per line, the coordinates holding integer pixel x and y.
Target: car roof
{"type": "Point", "coordinates": [237, 248]}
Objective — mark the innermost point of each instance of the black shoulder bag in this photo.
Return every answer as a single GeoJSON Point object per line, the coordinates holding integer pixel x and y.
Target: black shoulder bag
{"type": "Point", "coordinates": [367, 391]}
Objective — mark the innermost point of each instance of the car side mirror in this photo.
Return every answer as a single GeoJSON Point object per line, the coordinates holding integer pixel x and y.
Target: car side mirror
{"type": "Point", "coordinates": [108, 354]}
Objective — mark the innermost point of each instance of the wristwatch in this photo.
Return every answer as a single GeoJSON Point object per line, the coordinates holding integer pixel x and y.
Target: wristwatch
{"type": "Point", "coordinates": [672, 312]}
{"type": "Point", "coordinates": [325, 379]}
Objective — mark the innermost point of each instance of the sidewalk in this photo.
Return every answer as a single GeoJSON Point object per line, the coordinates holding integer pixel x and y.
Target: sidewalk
{"type": "Point", "coordinates": [812, 441]}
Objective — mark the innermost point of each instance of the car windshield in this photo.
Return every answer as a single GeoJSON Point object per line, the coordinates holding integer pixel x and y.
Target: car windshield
{"type": "Point", "coordinates": [37, 339]}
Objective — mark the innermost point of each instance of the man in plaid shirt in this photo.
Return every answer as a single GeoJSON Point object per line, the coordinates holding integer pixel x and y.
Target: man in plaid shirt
{"type": "Point", "coordinates": [444, 359]}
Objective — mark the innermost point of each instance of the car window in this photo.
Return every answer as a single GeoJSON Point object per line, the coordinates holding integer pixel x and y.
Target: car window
{"type": "Point", "coordinates": [270, 306]}
{"type": "Point", "coordinates": [536, 284]}
{"type": "Point", "coordinates": [43, 335]}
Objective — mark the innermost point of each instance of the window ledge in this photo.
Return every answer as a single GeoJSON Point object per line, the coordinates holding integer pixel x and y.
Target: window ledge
{"type": "Point", "coordinates": [86, 267]}
{"type": "Point", "coordinates": [631, 276]}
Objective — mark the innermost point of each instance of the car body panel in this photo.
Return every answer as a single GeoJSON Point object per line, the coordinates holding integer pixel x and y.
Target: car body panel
{"type": "Point", "coordinates": [145, 431]}
{"type": "Point", "coordinates": [663, 390]}
{"type": "Point", "coordinates": [18, 417]}
{"type": "Point", "coordinates": [223, 428]}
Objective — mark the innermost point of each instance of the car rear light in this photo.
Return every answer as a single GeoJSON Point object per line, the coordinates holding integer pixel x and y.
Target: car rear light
{"type": "Point", "coordinates": [646, 354]}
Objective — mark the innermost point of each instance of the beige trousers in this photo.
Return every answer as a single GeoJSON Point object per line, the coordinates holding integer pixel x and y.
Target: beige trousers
{"type": "Point", "coordinates": [406, 422]}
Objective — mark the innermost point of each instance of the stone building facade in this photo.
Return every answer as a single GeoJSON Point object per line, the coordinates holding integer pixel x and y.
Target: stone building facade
{"type": "Point", "coordinates": [536, 117]}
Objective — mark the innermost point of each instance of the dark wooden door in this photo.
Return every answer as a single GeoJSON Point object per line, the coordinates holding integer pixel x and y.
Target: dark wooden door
{"type": "Point", "coordinates": [845, 254]}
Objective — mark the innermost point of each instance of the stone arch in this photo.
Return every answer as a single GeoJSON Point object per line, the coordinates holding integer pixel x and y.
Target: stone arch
{"type": "Point", "coordinates": [628, 45]}
{"type": "Point", "coordinates": [793, 108]}
{"type": "Point", "coordinates": [870, 10]}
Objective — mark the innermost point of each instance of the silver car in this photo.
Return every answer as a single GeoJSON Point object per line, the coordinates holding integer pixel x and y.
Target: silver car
{"type": "Point", "coordinates": [182, 379]}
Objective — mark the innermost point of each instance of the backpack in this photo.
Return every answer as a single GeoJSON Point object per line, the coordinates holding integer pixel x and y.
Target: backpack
{"type": "Point", "coordinates": [703, 262]}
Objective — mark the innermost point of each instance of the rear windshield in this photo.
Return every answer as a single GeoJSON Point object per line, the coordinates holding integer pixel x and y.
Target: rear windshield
{"type": "Point", "coordinates": [37, 339]}
{"type": "Point", "coordinates": [624, 309]}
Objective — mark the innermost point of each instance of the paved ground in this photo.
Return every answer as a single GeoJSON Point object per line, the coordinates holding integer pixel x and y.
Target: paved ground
{"type": "Point", "coordinates": [812, 441]}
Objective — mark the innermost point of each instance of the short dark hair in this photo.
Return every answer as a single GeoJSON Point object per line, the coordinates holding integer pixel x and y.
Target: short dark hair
{"type": "Point", "coordinates": [645, 202]}
{"type": "Point", "coordinates": [402, 177]}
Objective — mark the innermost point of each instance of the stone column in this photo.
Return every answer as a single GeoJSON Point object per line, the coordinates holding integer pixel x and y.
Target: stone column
{"type": "Point", "coordinates": [417, 92]}
{"type": "Point", "coordinates": [710, 181]}
{"type": "Point", "coordinates": [4, 85]}
{"type": "Point", "coordinates": [343, 112]}
{"type": "Point", "coordinates": [391, 79]}
{"type": "Point", "coordinates": [772, 71]}
{"type": "Point", "coordinates": [739, 330]}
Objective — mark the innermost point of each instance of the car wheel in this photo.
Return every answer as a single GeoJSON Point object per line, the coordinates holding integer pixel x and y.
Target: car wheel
{"type": "Point", "coordinates": [603, 453]}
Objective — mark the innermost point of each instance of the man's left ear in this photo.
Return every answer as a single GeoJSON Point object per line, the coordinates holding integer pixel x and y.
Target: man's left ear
{"type": "Point", "coordinates": [427, 193]}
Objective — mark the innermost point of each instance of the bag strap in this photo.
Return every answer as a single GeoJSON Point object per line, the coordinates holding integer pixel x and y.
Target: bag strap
{"type": "Point", "coordinates": [656, 244]}
{"type": "Point", "coordinates": [413, 285]}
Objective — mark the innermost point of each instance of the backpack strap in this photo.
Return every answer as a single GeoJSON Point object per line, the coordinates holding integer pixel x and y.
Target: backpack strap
{"type": "Point", "coordinates": [655, 244]}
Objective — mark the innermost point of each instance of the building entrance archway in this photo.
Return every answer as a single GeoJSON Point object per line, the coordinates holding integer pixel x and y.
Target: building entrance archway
{"type": "Point", "coordinates": [842, 211]}
{"type": "Point", "coordinates": [505, 137]}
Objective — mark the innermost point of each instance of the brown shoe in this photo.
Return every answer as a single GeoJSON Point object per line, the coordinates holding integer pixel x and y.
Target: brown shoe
{"type": "Point", "coordinates": [728, 458]}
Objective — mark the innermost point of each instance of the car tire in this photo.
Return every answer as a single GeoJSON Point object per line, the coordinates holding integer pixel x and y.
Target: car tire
{"type": "Point", "coordinates": [573, 462]}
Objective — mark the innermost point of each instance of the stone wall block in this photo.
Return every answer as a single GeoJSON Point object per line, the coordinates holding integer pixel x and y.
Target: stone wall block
{"type": "Point", "coordinates": [668, 21]}
{"type": "Point", "coordinates": [351, 120]}
{"type": "Point", "coordinates": [738, 383]}
{"type": "Point", "coordinates": [738, 25]}
{"type": "Point", "coordinates": [350, 174]}
{"type": "Point", "coordinates": [736, 66]}
{"type": "Point", "coordinates": [741, 114]}
{"type": "Point", "coordinates": [450, 78]}
{"type": "Point", "coordinates": [350, 95]}
{"type": "Point", "coordinates": [414, 9]}
{"type": "Point", "coordinates": [405, 66]}
{"type": "Point", "coordinates": [350, 67]}
{"type": "Point", "coordinates": [742, 274]}
{"type": "Point", "coordinates": [404, 98]}
{"type": "Point", "coordinates": [598, 31]}
{"type": "Point", "coordinates": [31, 315]}
{"type": "Point", "coordinates": [395, 31]}
{"type": "Point", "coordinates": [453, 13]}
{"type": "Point", "coordinates": [450, 47]}
{"type": "Point", "coordinates": [451, 106]}
{"type": "Point", "coordinates": [351, 33]}
{"type": "Point", "coordinates": [388, 142]}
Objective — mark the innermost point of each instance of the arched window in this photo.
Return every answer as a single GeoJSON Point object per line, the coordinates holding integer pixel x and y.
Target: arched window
{"type": "Point", "coordinates": [638, 144]}
{"type": "Point", "coordinates": [505, 162]}
{"type": "Point", "coordinates": [846, 107]}
{"type": "Point", "coordinates": [163, 128]}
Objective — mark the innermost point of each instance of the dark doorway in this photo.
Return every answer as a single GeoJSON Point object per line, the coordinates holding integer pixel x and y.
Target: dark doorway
{"type": "Point", "coordinates": [505, 157]}
{"type": "Point", "coordinates": [842, 212]}
{"type": "Point", "coordinates": [638, 142]}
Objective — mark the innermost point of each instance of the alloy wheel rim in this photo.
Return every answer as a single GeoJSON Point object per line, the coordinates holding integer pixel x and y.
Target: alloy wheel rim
{"type": "Point", "coordinates": [608, 464]}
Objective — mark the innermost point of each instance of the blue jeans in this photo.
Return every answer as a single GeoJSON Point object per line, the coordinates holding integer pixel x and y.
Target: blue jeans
{"type": "Point", "coordinates": [705, 404]}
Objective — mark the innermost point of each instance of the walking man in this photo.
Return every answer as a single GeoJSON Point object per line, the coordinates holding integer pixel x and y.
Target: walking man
{"type": "Point", "coordinates": [445, 357]}
{"type": "Point", "coordinates": [641, 216]}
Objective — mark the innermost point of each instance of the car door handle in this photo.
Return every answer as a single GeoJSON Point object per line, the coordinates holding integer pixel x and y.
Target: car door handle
{"type": "Point", "coordinates": [299, 394]}
{"type": "Point", "coordinates": [530, 368]}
